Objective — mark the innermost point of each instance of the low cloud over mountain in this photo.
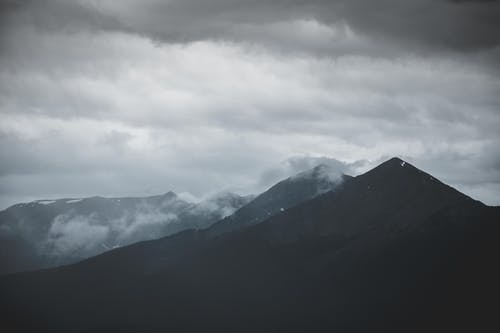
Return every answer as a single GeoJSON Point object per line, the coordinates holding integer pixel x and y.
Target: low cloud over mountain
{"type": "Point", "coordinates": [48, 233]}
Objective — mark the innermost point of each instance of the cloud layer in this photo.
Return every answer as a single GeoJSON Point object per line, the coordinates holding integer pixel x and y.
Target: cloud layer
{"type": "Point", "coordinates": [133, 98]}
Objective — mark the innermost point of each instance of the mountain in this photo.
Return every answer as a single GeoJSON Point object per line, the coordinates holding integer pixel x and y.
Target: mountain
{"type": "Point", "coordinates": [283, 195]}
{"type": "Point", "coordinates": [48, 233]}
{"type": "Point", "coordinates": [393, 249]}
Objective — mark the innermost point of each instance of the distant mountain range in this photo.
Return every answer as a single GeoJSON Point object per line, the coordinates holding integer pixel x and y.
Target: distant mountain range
{"type": "Point", "coordinates": [49, 233]}
{"type": "Point", "coordinates": [393, 249]}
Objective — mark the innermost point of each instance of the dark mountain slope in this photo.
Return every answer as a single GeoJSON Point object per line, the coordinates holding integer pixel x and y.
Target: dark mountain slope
{"type": "Point", "coordinates": [391, 250]}
{"type": "Point", "coordinates": [394, 195]}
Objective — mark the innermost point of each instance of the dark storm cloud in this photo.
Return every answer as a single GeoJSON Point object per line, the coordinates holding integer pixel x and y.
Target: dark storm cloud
{"type": "Point", "coordinates": [463, 26]}
{"type": "Point", "coordinates": [57, 15]}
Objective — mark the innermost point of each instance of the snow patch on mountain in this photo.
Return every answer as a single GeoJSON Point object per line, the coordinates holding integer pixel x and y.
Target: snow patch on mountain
{"type": "Point", "coordinates": [73, 201]}
{"type": "Point", "coordinates": [45, 202]}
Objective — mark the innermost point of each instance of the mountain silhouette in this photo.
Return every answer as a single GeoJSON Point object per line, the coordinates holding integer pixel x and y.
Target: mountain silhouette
{"type": "Point", "coordinates": [393, 249]}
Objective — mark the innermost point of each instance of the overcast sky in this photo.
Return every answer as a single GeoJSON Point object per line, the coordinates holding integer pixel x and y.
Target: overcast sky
{"type": "Point", "coordinates": [120, 98]}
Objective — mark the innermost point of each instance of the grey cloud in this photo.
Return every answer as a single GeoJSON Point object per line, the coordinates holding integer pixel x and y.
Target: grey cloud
{"type": "Point", "coordinates": [482, 165]}
{"type": "Point", "coordinates": [58, 15]}
{"type": "Point", "coordinates": [417, 25]}
{"type": "Point", "coordinates": [480, 1]}
{"type": "Point", "coordinates": [465, 26]}
{"type": "Point", "coordinates": [85, 235]}
{"type": "Point", "coordinates": [116, 140]}
{"type": "Point", "coordinates": [146, 223]}
{"type": "Point", "coordinates": [74, 235]}
{"type": "Point", "coordinates": [231, 129]}
{"type": "Point", "coordinates": [138, 97]}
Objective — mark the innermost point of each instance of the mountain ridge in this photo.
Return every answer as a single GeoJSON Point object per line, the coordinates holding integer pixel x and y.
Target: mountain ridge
{"type": "Point", "coordinates": [407, 254]}
{"type": "Point", "coordinates": [47, 233]}
{"type": "Point", "coordinates": [146, 217]}
{"type": "Point", "coordinates": [283, 195]}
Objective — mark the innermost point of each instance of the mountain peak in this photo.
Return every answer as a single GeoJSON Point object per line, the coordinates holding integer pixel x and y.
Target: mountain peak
{"type": "Point", "coordinates": [283, 195]}
{"type": "Point", "coordinates": [170, 195]}
{"type": "Point", "coordinates": [321, 172]}
{"type": "Point", "coordinates": [403, 188]}
{"type": "Point", "coordinates": [396, 167]}
{"type": "Point", "coordinates": [395, 161]}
